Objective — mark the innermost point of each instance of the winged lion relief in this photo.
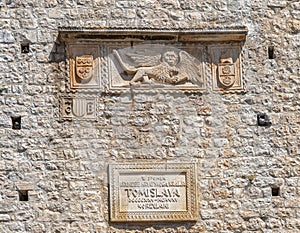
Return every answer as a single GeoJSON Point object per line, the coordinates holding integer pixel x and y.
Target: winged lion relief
{"type": "Point", "coordinates": [159, 64]}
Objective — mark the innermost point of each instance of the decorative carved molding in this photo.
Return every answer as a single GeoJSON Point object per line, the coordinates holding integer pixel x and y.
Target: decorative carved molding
{"type": "Point", "coordinates": [149, 61]}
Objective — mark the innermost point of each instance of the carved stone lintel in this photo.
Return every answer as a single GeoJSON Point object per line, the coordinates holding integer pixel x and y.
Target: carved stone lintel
{"type": "Point", "coordinates": [236, 33]}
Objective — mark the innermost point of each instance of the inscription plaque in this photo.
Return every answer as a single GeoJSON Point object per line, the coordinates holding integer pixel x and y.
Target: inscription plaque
{"type": "Point", "coordinates": [153, 192]}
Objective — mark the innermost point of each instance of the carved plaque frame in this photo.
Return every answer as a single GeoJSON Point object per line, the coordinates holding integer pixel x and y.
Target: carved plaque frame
{"type": "Point", "coordinates": [153, 192]}
{"type": "Point", "coordinates": [79, 107]}
{"type": "Point", "coordinates": [97, 58]}
{"type": "Point", "coordinates": [102, 74]}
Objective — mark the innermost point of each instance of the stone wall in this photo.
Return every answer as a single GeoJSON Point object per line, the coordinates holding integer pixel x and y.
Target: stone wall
{"type": "Point", "coordinates": [62, 164]}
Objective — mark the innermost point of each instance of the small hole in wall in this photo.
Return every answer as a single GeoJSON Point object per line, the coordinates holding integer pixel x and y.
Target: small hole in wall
{"type": "Point", "coordinates": [275, 191]}
{"type": "Point", "coordinates": [263, 120]}
{"type": "Point", "coordinates": [23, 195]}
{"type": "Point", "coordinates": [271, 52]}
{"type": "Point", "coordinates": [16, 122]}
{"type": "Point", "coordinates": [25, 48]}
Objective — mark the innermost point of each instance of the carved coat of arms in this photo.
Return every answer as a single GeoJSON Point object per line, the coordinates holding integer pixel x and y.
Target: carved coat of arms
{"type": "Point", "coordinates": [226, 72]}
{"type": "Point", "coordinates": [84, 67]}
{"type": "Point", "coordinates": [80, 107]}
{"type": "Point", "coordinates": [83, 107]}
{"type": "Point", "coordinates": [172, 67]}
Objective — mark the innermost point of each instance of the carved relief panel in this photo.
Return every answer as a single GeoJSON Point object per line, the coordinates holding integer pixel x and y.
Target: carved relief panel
{"type": "Point", "coordinates": [113, 61]}
{"type": "Point", "coordinates": [148, 66]}
{"type": "Point", "coordinates": [226, 68]}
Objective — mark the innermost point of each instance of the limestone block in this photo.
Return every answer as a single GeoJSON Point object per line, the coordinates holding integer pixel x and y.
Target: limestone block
{"type": "Point", "coordinates": [23, 216]}
{"type": "Point", "coordinates": [6, 58]}
{"type": "Point", "coordinates": [293, 223]}
{"type": "Point", "coordinates": [220, 142]}
{"type": "Point", "coordinates": [6, 37]}
{"type": "Point", "coordinates": [295, 5]}
{"type": "Point", "coordinates": [22, 185]}
{"type": "Point", "coordinates": [5, 218]}
{"type": "Point", "coordinates": [48, 216]}
{"type": "Point", "coordinates": [15, 226]}
{"type": "Point", "coordinates": [296, 14]}
{"type": "Point", "coordinates": [276, 3]}
{"type": "Point", "coordinates": [213, 225]}
{"type": "Point", "coordinates": [2, 165]}
{"type": "Point", "coordinates": [35, 196]}
{"type": "Point", "coordinates": [35, 227]}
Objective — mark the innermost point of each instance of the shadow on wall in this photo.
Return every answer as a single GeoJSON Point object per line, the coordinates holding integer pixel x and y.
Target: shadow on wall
{"type": "Point", "coordinates": [58, 52]}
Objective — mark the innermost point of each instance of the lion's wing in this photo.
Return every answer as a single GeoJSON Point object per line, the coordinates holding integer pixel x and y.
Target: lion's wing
{"type": "Point", "coordinates": [188, 65]}
{"type": "Point", "coordinates": [144, 61]}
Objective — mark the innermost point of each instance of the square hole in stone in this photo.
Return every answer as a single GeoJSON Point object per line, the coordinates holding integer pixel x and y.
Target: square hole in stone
{"type": "Point", "coordinates": [23, 195]}
{"type": "Point", "coordinates": [25, 48]}
{"type": "Point", "coordinates": [271, 52]}
{"type": "Point", "coordinates": [16, 122]}
{"type": "Point", "coordinates": [275, 191]}
{"type": "Point", "coordinates": [263, 120]}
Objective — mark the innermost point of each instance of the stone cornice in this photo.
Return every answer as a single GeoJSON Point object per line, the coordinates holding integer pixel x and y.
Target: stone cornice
{"type": "Point", "coordinates": [137, 34]}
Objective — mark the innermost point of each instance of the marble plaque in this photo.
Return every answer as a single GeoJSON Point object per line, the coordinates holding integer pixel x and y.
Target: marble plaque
{"type": "Point", "coordinates": [152, 192]}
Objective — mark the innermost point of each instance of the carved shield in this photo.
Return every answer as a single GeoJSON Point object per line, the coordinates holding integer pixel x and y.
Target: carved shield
{"type": "Point", "coordinates": [79, 107]}
{"type": "Point", "coordinates": [84, 66]}
{"type": "Point", "coordinates": [226, 74]}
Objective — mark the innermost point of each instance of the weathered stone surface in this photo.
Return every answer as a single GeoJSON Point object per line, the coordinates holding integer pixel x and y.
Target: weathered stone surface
{"type": "Point", "coordinates": [65, 160]}
{"type": "Point", "coordinates": [4, 218]}
{"type": "Point", "coordinates": [6, 37]}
